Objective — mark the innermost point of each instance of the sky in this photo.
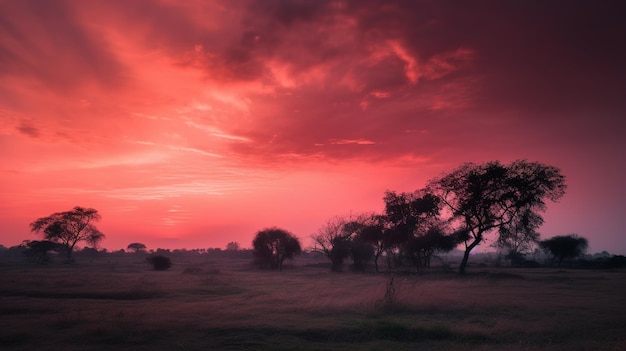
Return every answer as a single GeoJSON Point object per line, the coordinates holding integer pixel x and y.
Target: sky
{"type": "Point", "coordinates": [192, 124]}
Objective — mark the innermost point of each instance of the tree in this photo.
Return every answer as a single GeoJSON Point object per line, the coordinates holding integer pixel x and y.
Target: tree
{"type": "Point", "coordinates": [435, 239]}
{"type": "Point", "coordinates": [519, 237]}
{"type": "Point", "coordinates": [407, 217]}
{"type": "Point", "coordinates": [271, 246]}
{"type": "Point", "coordinates": [38, 250]}
{"type": "Point", "coordinates": [232, 246]}
{"type": "Point", "coordinates": [159, 262]}
{"type": "Point", "coordinates": [565, 247]}
{"type": "Point", "coordinates": [373, 233]}
{"type": "Point", "coordinates": [136, 247]}
{"type": "Point", "coordinates": [333, 241]}
{"type": "Point", "coordinates": [486, 197]}
{"type": "Point", "coordinates": [70, 227]}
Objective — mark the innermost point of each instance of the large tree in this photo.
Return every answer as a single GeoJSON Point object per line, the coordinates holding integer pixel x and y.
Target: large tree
{"type": "Point", "coordinates": [272, 246]}
{"type": "Point", "coordinates": [485, 197]}
{"type": "Point", "coordinates": [70, 227]}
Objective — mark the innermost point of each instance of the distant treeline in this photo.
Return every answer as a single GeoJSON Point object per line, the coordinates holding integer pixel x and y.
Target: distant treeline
{"type": "Point", "coordinates": [22, 253]}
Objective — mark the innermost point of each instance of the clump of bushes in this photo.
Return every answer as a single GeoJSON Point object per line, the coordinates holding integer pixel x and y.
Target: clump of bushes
{"type": "Point", "coordinates": [159, 262]}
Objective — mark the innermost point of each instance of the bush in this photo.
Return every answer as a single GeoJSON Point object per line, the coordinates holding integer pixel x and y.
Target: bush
{"type": "Point", "coordinates": [159, 262]}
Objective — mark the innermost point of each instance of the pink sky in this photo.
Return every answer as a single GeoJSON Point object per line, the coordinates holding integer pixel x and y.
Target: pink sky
{"type": "Point", "coordinates": [192, 124]}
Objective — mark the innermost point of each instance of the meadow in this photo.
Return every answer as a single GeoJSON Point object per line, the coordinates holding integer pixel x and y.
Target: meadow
{"type": "Point", "coordinates": [208, 303]}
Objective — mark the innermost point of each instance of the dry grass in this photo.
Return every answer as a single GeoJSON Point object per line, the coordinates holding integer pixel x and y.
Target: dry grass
{"type": "Point", "coordinates": [225, 304]}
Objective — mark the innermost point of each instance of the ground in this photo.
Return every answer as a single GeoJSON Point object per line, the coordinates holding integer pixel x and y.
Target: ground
{"type": "Point", "coordinates": [222, 303]}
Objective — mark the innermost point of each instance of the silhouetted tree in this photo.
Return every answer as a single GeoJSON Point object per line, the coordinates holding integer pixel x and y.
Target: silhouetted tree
{"type": "Point", "coordinates": [38, 251]}
{"type": "Point", "coordinates": [519, 237]}
{"type": "Point", "coordinates": [333, 241]}
{"type": "Point", "coordinates": [271, 246]}
{"type": "Point", "coordinates": [424, 245]}
{"type": "Point", "coordinates": [159, 262]}
{"type": "Point", "coordinates": [486, 197]}
{"type": "Point", "coordinates": [372, 232]}
{"type": "Point", "coordinates": [136, 247]}
{"type": "Point", "coordinates": [565, 247]}
{"type": "Point", "coordinates": [361, 253]}
{"type": "Point", "coordinates": [232, 246]}
{"type": "Point", "coordinates": [407, 215]}
{"type": "Point", "coordinates": [70, 227]}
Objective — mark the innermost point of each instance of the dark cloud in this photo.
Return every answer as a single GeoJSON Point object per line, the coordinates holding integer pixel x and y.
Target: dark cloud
{"type": "Point", "coordinates": [535, 69]}
{"type": "Point", "coordinates": [362, 69]}
{"type": "Point", "coordinates": [28, 129]}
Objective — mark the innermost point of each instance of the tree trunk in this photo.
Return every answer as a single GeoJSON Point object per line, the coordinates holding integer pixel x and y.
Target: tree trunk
{"type": "Point", "coordinates": [468, 249]}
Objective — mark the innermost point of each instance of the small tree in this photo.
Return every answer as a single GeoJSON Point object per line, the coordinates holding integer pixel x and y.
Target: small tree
{"type": "Point", "coordinates": [333, 241]}
{"type": "Point", "coordinates": [373, 233]}
{"type": "Point", "coordinates": [70, 227]}
{"type": "Point", "coordinates": [565, 247]}
{"type": "Point", "coordinates": [271, 246]}
{"type": "Point", "coordinates": [38, 250]}
{"type": "Point", "coordinates": [435, 239]}
{"type": "Point", "coordinates": [159, 262]}
{"type": "Point", "coordinates": [136, 247]}
{"type": "Point", "coordinates": [520, 236]}
{"type": "Point", "coordinates": [407, 216]}
{"type": "Point", "coordinates": [232, 246]}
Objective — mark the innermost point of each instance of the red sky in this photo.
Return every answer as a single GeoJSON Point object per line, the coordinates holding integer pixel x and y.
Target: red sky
{"type": "Point", "coordinates": [192, 124]}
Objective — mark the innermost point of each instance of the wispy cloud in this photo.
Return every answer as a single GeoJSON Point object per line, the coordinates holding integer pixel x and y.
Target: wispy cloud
{"type": "Point", "coordinates": [216, 132]}
{"type": "Point", "coordinates": [352, 141]}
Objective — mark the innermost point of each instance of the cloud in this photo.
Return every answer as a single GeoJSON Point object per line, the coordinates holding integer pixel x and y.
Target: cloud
{"type": "Point", "coordinates": [28, 129]}
{"type": "Point", "coordinates": [48, 43]}
{"type": "Point", "coordinates": [352, 141]}
{"type": "Point", "coordinates": [282, 77]}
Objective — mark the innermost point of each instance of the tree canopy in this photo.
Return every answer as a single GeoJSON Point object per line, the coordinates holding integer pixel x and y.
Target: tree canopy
{"type": "Point", "coordinates": [136, 247]}
{"type": "Point", "coordinates": [492, 196]}
{"type": "Point", "coordinates": [70, 227]}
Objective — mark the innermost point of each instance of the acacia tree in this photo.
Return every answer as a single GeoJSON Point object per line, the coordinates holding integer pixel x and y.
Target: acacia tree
{"type": "Point", "coordinates": [565, 246]}
{"type": "Point", "coordinates": [70, 227]}
{"type": "Point", "coordinates": [136, 247]}
{"type": "Point", "coordinates": [486, 197]}
{"type": "Point", "coordinates": [271, 246]}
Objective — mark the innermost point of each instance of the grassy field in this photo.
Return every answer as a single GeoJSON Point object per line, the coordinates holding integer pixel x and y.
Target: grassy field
{"type": "Point", "coordinates": [224, 304]}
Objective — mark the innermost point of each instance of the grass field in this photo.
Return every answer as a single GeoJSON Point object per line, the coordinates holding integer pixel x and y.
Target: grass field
{"type": "Point", "coordinates": [224, 304]}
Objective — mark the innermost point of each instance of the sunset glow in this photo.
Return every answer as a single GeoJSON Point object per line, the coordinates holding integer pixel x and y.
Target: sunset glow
{"type": "Point", "coordinates": [192, 124]}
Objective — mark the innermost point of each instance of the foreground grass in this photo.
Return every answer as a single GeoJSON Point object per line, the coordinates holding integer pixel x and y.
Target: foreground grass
{"type": "Point", "coordinates": [226, 305]}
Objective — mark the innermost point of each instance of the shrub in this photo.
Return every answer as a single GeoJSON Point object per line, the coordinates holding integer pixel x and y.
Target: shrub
{"type": "Point", "coordinates": [159, 262]}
